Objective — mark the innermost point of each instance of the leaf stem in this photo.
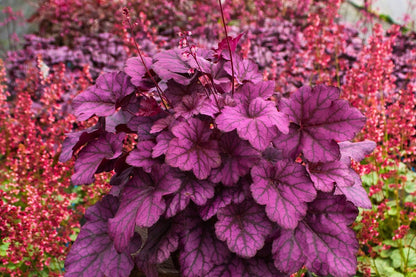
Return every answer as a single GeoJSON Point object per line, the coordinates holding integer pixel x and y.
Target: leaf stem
{"type": "Point", "coordinates": [158, 89]}
{"type": "Point", "coordinates": [229, 47]}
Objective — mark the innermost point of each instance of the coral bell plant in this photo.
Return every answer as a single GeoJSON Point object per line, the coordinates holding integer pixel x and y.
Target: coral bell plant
{"type": "Point", "coordinates": [224, 177]}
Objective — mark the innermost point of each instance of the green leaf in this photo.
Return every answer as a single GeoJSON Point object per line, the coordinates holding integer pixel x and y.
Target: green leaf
{"type": "Point", "coordinates": [385, 269]}
{"type": "Point", "coordinates": [396, 259]}
{"type": "Point", "coordinates": [3, 248]}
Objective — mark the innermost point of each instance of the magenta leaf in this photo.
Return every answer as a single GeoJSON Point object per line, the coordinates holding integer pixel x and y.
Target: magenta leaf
{"type": "Point", "coordinates": [189, 106]}
{"type": "Point", "coordinates": [108, 146]}
{"type": "Point", "coordinates": [325, 175]}
{"type": "Point", "coordinates": [199, 191]}
{"type": "Point", "coordinates": [253, 122]}
{"type": "Point", "coordinates": [175, 92]}
{"type": "Point", "coordinates": [172, 64]}
{"type": "Point", "coordinates": [93, 253]}
{"type": "Point", "coordinates": [320, 119]}
{"type": "Point", "coordinates": [237, 158]}
{"type": "Point", "coordinates": [244, 227]}
{"type": "Point", "coordinates": [136, 70]}
{"type": "Point", "coordinates": [323, 239]}
{"type": "Point", "coordinates": [223, 44]}
{"type": "Point", "coordinates": [142, 203]}
{"type": "Point", "coordinates": [192, 148]}
{"type": "Point", "coordinates": [103, 98]}
{"type": "Point", "coordinates": [245, 70]}
{"type": "Point", "coordinates": [285, 188]}
{"type": "Point", "coordinates": [201, 248]}
{"type": "Point", "coordinates": [142, 125]}
{"type": "Point", "coordinates": [141, 156]}
{"type": "Point", "coordinates": [162, 144]}
{"type": "Point", "coordinates": [117, 121]}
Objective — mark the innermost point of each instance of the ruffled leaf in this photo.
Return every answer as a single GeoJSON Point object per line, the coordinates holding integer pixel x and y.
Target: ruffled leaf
{"type": "Point", "coordinates": [325, 175]}
{"type": "Point", "coordinates": [244, 227]}
{"type": "Point", "coordinates": [141, 156]}
{"type": "Point", "coordinates": [356, 194]}
{"type": "Point", "coordinates": [103, 98]}
{"type": "Point", "coordinates": [285, 188]}
{"type": "Point", "coordinates": [253, 122]}
{"type": "Point", "coordinates": [192, 148]}
{"type": "Point", "coordinates": [107, 146]}
{"type": "Point", "coordinates": [172, 64]}
{"type": "Point", "coordinates": [136, 70]}
{"type": "Point", "coordinates": [248, 92]}
{"type": "Point", "coordinates": [356, 150]}
{"type": "Point", "coordinates": [319, 119]}
{"type": "Point", "coordinates": [244, 70]}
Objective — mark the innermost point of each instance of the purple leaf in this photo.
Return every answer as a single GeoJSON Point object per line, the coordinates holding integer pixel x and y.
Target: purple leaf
{"type": "Point", "coordinates": [244, 70]}
{"type": "Point", "coordinates": [172, 64]}
{"type": "Point", "coordinates": [141, 156]}
{"type": "Point", "coordinates": [107, 146]}
{"type": "Point", "coordinates": [244, 227]}
{"type": "Point", "coordinates": [103, 98]}
{"type": "Point", "coordinates": [319, 119]}
{"type": "Point", "coordinates": [223, 197]}
{"type": "Point", "coordinates": [248, 92]}
{"type": "Point", "coordinates": [199, 191]}
{"type": "Point", "coordinates": [223, 44]}
{"type": "Point", "coordinates": [189, 106]}
{"type": "Point", "coordinates": [325, 175]}
{"type": "Point", "coordinates": [237, 158]}
{"type": "Point", "coordinates": [142, 125]}
{"type": "Point", "coordinates": [115, 120]}
{"type": "Point", "coordinates": [162, 144]}
{"type": "Point", "coordinates": [136, 70]}
{"type": "Point", "coordinates": [93, 252]}
{"type": "Point", "coordinates": [285, 189]}
{"type": "Point", "coordinates": [142, 203]}
{"type": "Point", "coordinates": [162, 124]}
{"type": "Point", "coordinates": [356, 150]}
{"type": "Point", "coordinates": [356, 194]}
{"type": "Point", "coordinates": [175, 92]}
{"type": "Point", "coordinates": [253, 122]}
{"type": "Point", "coordinates": [323, 239]}
{"type": "Point", "coordinates": [192, 148]}
{"type": "Point", "coordinates": [201, 248]}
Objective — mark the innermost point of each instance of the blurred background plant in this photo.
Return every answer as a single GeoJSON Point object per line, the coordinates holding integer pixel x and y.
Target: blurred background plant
{"type": "Point", "coordinates": [293, 42]}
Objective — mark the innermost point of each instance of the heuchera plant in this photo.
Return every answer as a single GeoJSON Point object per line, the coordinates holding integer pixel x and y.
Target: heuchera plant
{"type": "Point", "coordinates": [224, 179]}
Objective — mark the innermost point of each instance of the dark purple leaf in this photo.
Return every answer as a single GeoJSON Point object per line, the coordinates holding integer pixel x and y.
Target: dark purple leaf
{"type": "Point", "coordinates": [201, 248]}
{"type": "Point", "coordinates": [237, 158]}
{"type": "Point", "coordinates": [175, 92]}
{"type": "Point", "coordinates": [189, 106]}
{"type": "Point", "coordinates": [244, 227]}
{"type": "Point", "coordinates": [172, 64]}
{"type": "Point", "coordinates": [356, 194]}
{"type": "Point", "coordinates": [253, 122]}
{"type": "Point", "coordinates": [223, 197]}
{"type": "Point", "coordinates": [192, 148]}
{"type": "Point", "coordinates": [223, 45]}
{"type": "Point", "coordinates": [93, 253]}
{"type": "Point", "coordinates": [142, 125]}
{"type": "Point", "coordinates": [356, 150]}
{"type": "Point", "coordinates": [326, 175]}
{"type": "Point", "coordinates": [319, 119]}
{"type": "Point", "coordinates": [103, 98]}
{"type": "Point", "coordinates": [285, 188]}
{"type": "Point", "coordinates": [162, 124]}
{"type": "Point", "coordinates": [323, 239]}
{"type": "Point", "coordinates": [119, 118]}
{"type": "Point", "coordinates": [142, 203]}
{"type": "Point", "coordinates": [107, 146]}
{"type": "Point", "coordinates": [141, 156]}
{"type": "Point", "coordinates": [199, 191]}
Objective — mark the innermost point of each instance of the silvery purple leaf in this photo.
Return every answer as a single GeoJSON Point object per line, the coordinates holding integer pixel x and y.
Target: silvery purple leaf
{"type": "Point", "coordinates": [326, 175]}
{"type": "Point", "coordinates": [93, 252]}
{"type": "Point", "coordinates": [253, 122]}
{"type": "Point", "coordinates": [356, 150]}
{"type": "Point", "coordinates": [199, 191]}
{"type": "Point", "coordinates": [114, 121]}
{"type": "Point", "coordinates": [249, 91]}
{"type": "Point", "coordinates": [244, 70]}
{"type": "Point", "coordinates": [319, 119]}
{"type": "Point", "coordinates": [162, 144]}
{"type": "Point", "coordinates": [142, 203]}
{"type": "Point", "coordinates": [192, 148]}
{"type": "Point", "coordinates": [172, 64]}
{"type": "Point", "coordinates": [162, 124]}
{"type": "Point", "coordinates": [356, 194]}
{"type": "Point", "coordinates": [136, 70]}
{"type": "Point", "coordinates": [108, 146]}
{"type": "Point", "coordinates": [141, 156]}
{"type": "Point", "coordinates": [201, 248]}
{"type": "Point", "coordinates": [237, 158]}
{"type": "Point", "coordinates": [189, 106]}
{"type": "Point", "coordinates": [327, 244]}
{"type": "Point", "coordinates": [244, 227]}
{"type": "Point", "coordinates": [142, 125]}
{"type": "Point", "coordinates": [103, 98]}
{"type": "Point", "coordinates": [285, 188]}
